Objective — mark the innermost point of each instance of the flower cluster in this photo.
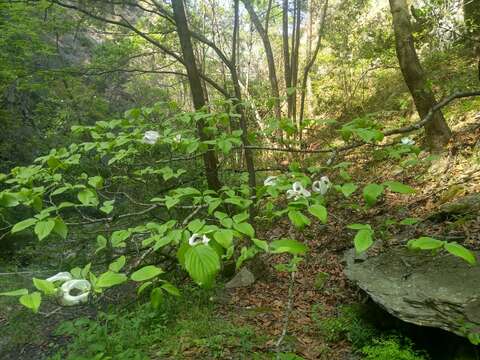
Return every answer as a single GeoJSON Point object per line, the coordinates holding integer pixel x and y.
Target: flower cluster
{"type": "Point", "coordinates": [319, 186]}
{"type": "Point", "coordinates": [151, 137]}
{"type": "Point", "coordinates": [68, 284]}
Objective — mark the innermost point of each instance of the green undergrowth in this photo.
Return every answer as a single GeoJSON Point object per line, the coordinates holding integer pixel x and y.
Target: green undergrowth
{"type": "Point", "coordinates": [187, 327]}
{"type": "Point", "coordinates": [351, 323]}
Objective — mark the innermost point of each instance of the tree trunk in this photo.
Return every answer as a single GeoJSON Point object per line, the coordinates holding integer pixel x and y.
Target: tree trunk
{"type": "Point", "coordinates": [240, 108]}
{"type": "Point", "coordinates": [286, 57]}
{"type": "Point", "coordinates": [437, 131]}
{"type": "Point", "coordinates": [272, 73]}
{"type": "Point", "coordinates": [295, 56]}
{"type": "Point", "coordinates": [198, 96]}
{"type": "Point", "coordinates": [471, 10]}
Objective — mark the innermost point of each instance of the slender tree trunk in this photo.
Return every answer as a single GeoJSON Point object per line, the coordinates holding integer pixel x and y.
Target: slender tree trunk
{"type": "Point", "coordinates": [309, 65]}
{"type": "Point", "coordinates": [437, 131]}
{"type": "Point", "coordinates": [238, 102]}
{"type": "Point", "coordinates": [198, 96]}
{"type": "Point", "coordinates": [240, 108]}
{"type": "Point", "coordinates": [286, 56]}
{"type": "Point", "coordinates": [272, 73]}
{"type": "Point", "coordinates": [295, 56]}
{"type": "Point", "coordinates": [471, 10]}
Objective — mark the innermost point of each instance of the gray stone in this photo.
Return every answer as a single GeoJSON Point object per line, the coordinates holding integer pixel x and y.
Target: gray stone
{"type": "Point", "coordinates": [440, 290]}
{"type": "Point", "coordinates": [243, 279]}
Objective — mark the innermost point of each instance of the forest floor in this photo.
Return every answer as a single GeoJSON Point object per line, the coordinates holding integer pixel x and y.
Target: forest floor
{"type": "Point", "coordinates": [325, 322]}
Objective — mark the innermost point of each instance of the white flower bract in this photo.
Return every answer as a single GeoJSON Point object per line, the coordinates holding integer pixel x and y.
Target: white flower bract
{"type": "Point", "coordinates": [151, 137]}
{"type": "Point", "coordinates": [322, 186]}
{"type": "Point", "coordinates": [197, 239]}
{"type": "Point", "coordinates": [66, 299]}
{"type": "Point", "coordinates": [407, 141]}
{"type": "Point", "coordinates": [270, 181]}
{"type": "Point", "coordinates": [61, 276]}
{"type": "Point", "coordinates": [297, 191]}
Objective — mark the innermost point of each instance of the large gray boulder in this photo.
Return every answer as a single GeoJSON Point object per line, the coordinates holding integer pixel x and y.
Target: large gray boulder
{"type": "Point", "coordinates": [421, 288]}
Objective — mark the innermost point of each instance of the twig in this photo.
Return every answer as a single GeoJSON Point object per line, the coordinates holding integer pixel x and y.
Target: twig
{"type": "Point", "coordinates": [286, 318]}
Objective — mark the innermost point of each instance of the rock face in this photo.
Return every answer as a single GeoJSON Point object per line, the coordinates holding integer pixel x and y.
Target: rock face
{"type": "Point", "coordinates": [243, 279]}
{"type": "Point", "coordinates": [439, 291]}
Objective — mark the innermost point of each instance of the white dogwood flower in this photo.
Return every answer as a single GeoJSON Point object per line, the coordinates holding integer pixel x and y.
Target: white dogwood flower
{"type": "Point", "coordinates": [61, 276]}
{"type": "Point", "coordinates": [407, 141]}
{"type": "Point", "coordinates": [82, 286]}
{"type": "Point", "coordinates": [270, 181]}
{"type": "Point", "coordinates": [297, 191]}
{"type": "Point", "coordinates": [151, 137]}
{"type": "Point", "coordinates": [321, 186]}
{"type": "Point", "coordinates": [197, 239]}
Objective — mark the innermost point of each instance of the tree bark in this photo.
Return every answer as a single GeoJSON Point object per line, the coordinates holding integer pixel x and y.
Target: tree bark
{"type": "Point", "coordinates": [198, 96]}
{"type": "Point", "coordinates": [471, 10]}
{"type": "Point", "coordinates": [286, 57]}
{"type": "Point", "coordinates": [272, 72]}
{"type": "Point", "coordinates": [295, 56]}
{"type": "Point", "coordinates": [437, 131]}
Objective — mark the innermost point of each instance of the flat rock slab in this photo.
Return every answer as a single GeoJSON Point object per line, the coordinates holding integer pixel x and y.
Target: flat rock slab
{"type": "Point", "coordinates": [421, 288]}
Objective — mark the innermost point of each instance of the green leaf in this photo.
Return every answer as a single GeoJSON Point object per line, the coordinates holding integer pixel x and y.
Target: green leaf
{"type": "Point", "coordinates": [398, 187]}
{"type": "Point", "coordinates": [142, 287]}
{"type": "Point", "coordinates": [31, 301]}
{"type": "Point", "coordinates": [196, 225]}
{"type": "Point", "coordinates": [146, 273]}
{"type": "Point", "coordinates": [96, 182]}
{"type": "Point", "coordinates": [371, 193]}
{"type": "Point", "coordinates": [359, 227]}
{"type": "Point", "coordinates": [261, 244]}
{"type": "Point", "coordinates": [298, 219]}
{"type": "Point", "coordinates": [87, 197]}
{"type": "Point", "coordinates": [107, 207]}
{"type": "Point", "coordinates": [118, 264]}
{"type": "Point", "coordinates": [202, 264]}
{"type": "Point", "coordinates": [172, 290]}
{"type": "Point", "coordinates": [23, 225]}
{"type": "Point", "coordinates": [348, 189]}
{"type": "Point", "coordinates": [171, 201]}
{"type": "Point", "coordinates": [60, 228]}
{"type": "Point", "coordinates": [44, 228]}
{"type": "Point", "coordinates": [288, 246]}
{"type": "Point", "coordinates": [101, 243]}
{"type": "Point", "coordinates": [109, 279]}
{"type": "Point", "coordinates": [224, 237]}
{"type": "Point", "coordinates": [363, 240]}
{"type": "Point", "coordinates": [425, 243]}
{"type": "Point", "coordinates": [118, 238]}
{"type": "Point", "coordinates": [244, 228]}
{"type": "Point", "coordinates": [461, 252]}
{"type": "Point", "coordinates": [44, 286]}
{"type": "Point", "coordinates": [319, 211]}
{"type": "Point", "coordinates": [17, 292]}
{"type": "Point", "coordinates": [239, 218]}
{"type": "Point", "coordinates": [156, 297]}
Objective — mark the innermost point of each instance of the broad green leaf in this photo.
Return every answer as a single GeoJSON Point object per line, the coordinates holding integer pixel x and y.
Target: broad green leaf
{"type": "Point", "coordinates": [109, 279]}
{"type": "Point", "coordinates": [371, 193]}
{"type": "Point", "coordinates": [87, 197]}
{"type": "Point", "coordinates": [196, 225]}
{"type": "Point", "coordinates": [319, 211]}
{"type": "Point", "coordinates": [101, 243]}
{"type": "Point", "coordinates": [142, 287]}
{"type": "Point", "coordinates": [245, 228]}
{"type": "Point", "coordinates": [118, 238]}
{"type": "Point", "coordinates": [118, 264]}
{"type": "Point", "coordinates": [398, 187]}
{"type": "Point", "coordinates": [60, 228]}
{"type": "Point", "coordinates": [44, 228]}
{"type": "Point", "coordinates": [359, 227]}
{"type": "Point", "coordinates": [172, 290]}
{"type": "Point", "coordinates": [96, 182]}
{"type": "Point", "coordinates": [224, 238]}
{"type": "Point", "coordinates": [156, 297]}
{"type": "Point", "coordinates": [261, 244]}
{"type": "Point", "coordinates": [202, 264]}
{"type": "Point", "coordinates": [146, 273]}
{"type": "Point", "coordinates": [18, 292]}
{"type": "Point", "coordinates": [363, 240]}
{"type": "Point", "coordinates": [425, 243]}
{"type": "Point", "coordinates": [44, 286]}
{"type": "Point", "coordinates": [23, 225]}
{"type": "Point", "coordinates": [348, 189]}
{"type": "Point", "coordinates": [298, 219]}
{"type": "Point", "coordinates": [239, 218]}
{"type": "Point", "coordinates": [461, 252]}
{"type": "Point", "coordinates": [288, 246]}
{"type": "Point", "coordinates": [31, 301]}
{"type": "Point", "coordinates": [171, 201]}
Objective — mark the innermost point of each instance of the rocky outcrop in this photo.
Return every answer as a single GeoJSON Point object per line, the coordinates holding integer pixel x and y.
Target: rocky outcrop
{"type": "Point", "coordinates": [439, 290]}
